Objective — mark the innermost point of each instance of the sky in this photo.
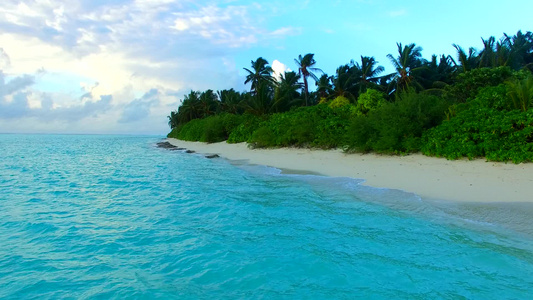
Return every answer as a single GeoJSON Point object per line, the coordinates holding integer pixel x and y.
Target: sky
{"type": "Point", "coordinates": [121, 66]}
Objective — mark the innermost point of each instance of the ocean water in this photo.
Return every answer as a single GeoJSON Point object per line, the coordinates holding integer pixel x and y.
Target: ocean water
{"type": "Point", "coordinates": [114, 217]}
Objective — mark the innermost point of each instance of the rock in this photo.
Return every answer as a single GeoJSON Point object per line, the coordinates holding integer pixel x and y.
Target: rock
{"type": "Point", "coordinates": [166, 145]}
{"type": "Point", "coordinates": [189, 151]}
{"type": "Point", "coordinates": [212, 156]}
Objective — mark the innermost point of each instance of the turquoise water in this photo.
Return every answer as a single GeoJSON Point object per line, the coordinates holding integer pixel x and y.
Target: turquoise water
{"type": "Point", "coordinates": [114, 217]}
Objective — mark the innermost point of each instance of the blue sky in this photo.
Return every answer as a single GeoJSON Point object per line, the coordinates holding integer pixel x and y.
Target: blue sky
{"type": "Point", "coordinates": [117, 66]}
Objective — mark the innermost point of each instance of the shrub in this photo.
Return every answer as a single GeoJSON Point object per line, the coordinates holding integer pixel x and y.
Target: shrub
{"type": "Point", "coordinates": [246, 127]}
{"type": "Point", "coordinates": [370, 100]}
{"type": "Point", "coordinates": [211, 129]}
{"type": "Point", "coordinates": [396, 127]}
{"type": "Point", "coordinates": [468, 84]}
{"type": "Point", "coordinates": [495, 134]}
{"type": "Point", "coordinates": [521, 93]}
{"type": "Point", "coordinates": [313, 126]}
{"type": "Point", "coordinates": [339, 102]}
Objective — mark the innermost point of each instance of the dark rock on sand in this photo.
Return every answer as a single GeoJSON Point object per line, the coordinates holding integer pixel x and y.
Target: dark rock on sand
{"type": "Point", "coordinates": [212, 156]}
{"type": "Point", "coordinates": [166, 145]}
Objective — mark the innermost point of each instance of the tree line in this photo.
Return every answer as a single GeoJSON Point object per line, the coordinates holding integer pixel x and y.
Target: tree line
{"type": "Point", "coordinates": [359, 108]}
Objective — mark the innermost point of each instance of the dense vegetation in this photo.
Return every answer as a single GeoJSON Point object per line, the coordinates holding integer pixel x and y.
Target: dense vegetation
{"type": "Point", "coordinates": [478, 105]}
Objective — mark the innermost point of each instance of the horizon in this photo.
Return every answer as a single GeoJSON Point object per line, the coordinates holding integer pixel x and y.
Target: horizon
{"type": "Point", "coordinates": [121, 68]}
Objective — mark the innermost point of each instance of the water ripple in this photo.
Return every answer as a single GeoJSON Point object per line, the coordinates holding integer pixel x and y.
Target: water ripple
{"type": "Point", "coordinates": [114, 217]}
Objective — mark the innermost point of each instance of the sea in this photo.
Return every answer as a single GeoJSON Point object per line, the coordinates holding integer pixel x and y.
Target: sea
{"type": "Point", "coordinates": [116, 217]}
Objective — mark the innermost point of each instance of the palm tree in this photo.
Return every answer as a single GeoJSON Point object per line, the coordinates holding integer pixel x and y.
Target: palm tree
{"type": "Point", "coordinates": [208, 103]}
{"type": "Point", "coordinates": [467, 62]}
{"type": "Point", "coordinates": [261, 72]}
{"type": "Point", "coordinates": [173, 120]}
{"type": "Point", "coordinates": [487, 56]}
{"type": "Point", "coordinates": [305, 69]}
{"type": "Point", "coordinates": [261, 101]}
{"type": "Point", "coordinates": [323, 86]}
{"type": "Point", "coordinates": [406, 64]}
{"type": "Point", "coordinates": [437, 73]}
{"type": "Point", "coordinates": [344, 82]}
{"type": "Point", "coordinates": [368, 72]}
{"type": "Point", "coordinates": [189, 108]}
{"type": "Point", "coordinates": [286, 94]}
{"type": "Point", "coordinates": [521, 46]}
{"type": "Point", "coordinates": [230, 101]}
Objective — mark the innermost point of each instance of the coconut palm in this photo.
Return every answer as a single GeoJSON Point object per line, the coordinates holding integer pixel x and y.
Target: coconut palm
{"type": "Point", "coordinates": [467, 61]}
{"type": "Point", "coordinates": [261, 72]}
{"type": "Point", "coordinates": [208, 102]}
{"type": "Point", "coordinates": [261, 101]}
{"type": "Point", "coordinates": [305, 69]}
{"type": "Point", "coordinates": [189, 108]}
{"type": "Point", "coordinates": [230, 101]}
{"type": "Point", "coordinates": [406, 64]}
{"type": "Point", "coordinates": [437, 72]}
{"type": "Point", "coordinates": [173, 120]}
{"type": "Point", "coordinates": [521, 46]}
{"type": "Point", "coordinates": [345, 82]}
{"type": "Point", "coordinates": [286, 93]}
{"type": "Point", "coordinates": [368, 72]}
{"type": "Point", "coordinates": [323, 86]}
{"type": "Point", "coordinates": [487, 56]}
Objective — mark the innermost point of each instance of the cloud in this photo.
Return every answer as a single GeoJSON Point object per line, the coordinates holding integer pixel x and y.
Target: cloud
{"type": "Point", "coordinates": [86, 60]}
{"type": "Point", "coordinates": [18, 100]}
{"type": "Point", "coordinates": [5, 61]}
{"type": "Point", "coordinates": [286, 31]}
{"type": "Point", "coordinates": [139, 109]}
{"type": "Point", "coordinates": [279, 68]}
{"type": "Point", "coordinates": [14, 85]}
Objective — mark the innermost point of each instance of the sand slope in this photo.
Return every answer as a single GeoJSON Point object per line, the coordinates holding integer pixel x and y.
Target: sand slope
{"type": "Point", "coordinates": [428, 177]}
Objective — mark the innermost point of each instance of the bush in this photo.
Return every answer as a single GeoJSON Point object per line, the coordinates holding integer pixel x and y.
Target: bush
{"type": "Point", "coordinates": [521, 92]}
{"type": "Point", "coordinates": [370, 100]}
{"type": "Point", "coordinates": [313, 126]}
{"type": "Point", "coordinates": [468, 84]}
{"type": "Point", "coordinates": [211, 129]}
{"type": "Point", "coordinates": [396, 127]}
{"type": "Point", "coordinates": [483, 132]}
{"type": "Point", "coordinates": [339, 102]}
{"type": "Point", "coordinates": [244, 130]}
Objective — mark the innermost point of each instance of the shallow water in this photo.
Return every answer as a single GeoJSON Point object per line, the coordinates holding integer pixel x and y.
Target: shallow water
{"type": "Point", "coordinates": [115, 217]}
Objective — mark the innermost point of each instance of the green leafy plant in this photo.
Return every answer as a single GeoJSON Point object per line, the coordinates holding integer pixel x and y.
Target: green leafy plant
{"type": "Point", "coordinates": [370, 100]}
{"type": "Point", "coordinates": [521, 92]}
{"type": "Point", "coordinates": [396, 127]}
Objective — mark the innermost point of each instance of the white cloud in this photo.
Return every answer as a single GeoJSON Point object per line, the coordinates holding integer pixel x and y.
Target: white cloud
{"type": "Point", "coordinates": [279, 69]}
{"type": "Point", "coordinates": [100, 58]}
{"type": "Point", "coordinates": [285, 31]}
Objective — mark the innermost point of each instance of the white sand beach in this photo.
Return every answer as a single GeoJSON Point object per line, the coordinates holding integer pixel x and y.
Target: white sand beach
{"type": "Point", "coordinates": [428, 177]}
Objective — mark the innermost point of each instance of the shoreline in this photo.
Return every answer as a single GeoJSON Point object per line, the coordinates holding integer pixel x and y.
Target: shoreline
{"type": "Point", "coordinates": [428, 177]}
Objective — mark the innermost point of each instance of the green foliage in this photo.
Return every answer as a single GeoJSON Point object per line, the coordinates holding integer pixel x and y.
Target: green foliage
{"type": "Point", "coordinates": [521, 92]}
{"type": "Point", "coordinates": [493, 97]}
{"type": "Point", "coordinates": [211, 129]}
{"type": "Point", "coordinates": [490, 113]}
{"type": "Point", "coordinates": [339, 102]}
{"type": "Point", "coordinates": [243, 132]}
{"type": "Point", "coordinates": [483, 132]}
{"type": "Point", "coordinates": [370, 100]}
{"type": "Point", "coordinates": [396, 127]}
{"type": "Point", "coordinates": [468, 84]}
{"type": "Point", "coordinates": [315, 126]}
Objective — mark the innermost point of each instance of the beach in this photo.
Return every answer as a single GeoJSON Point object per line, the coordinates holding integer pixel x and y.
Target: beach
{"type": "Point", "coordinates": [428, 177]}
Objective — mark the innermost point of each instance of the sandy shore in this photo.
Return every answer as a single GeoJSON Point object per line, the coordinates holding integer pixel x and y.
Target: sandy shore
{"type": "Point", "coordinates": [428, 177]}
